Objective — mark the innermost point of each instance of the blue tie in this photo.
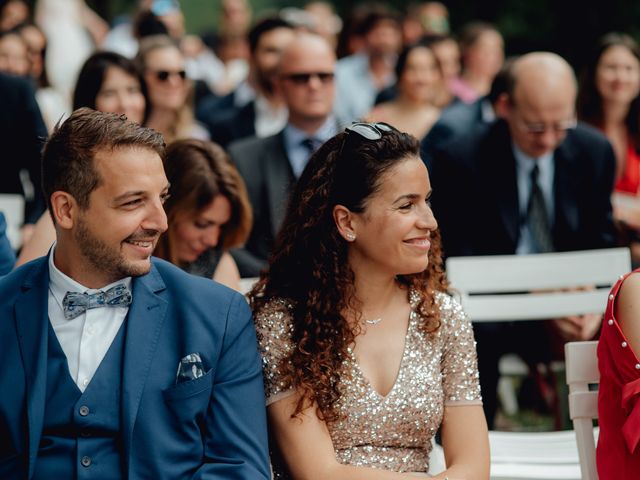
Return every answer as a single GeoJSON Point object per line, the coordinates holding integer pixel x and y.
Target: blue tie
{"type": "Point", "coordinates": [76, 303]}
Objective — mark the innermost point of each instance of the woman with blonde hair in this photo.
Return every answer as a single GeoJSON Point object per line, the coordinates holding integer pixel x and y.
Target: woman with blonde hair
{"type": "Point", "coordinates": [170, 91]}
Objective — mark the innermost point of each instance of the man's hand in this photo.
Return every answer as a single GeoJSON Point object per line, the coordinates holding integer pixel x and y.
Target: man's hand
{"type": "Point", "coordinates": [577, 327]}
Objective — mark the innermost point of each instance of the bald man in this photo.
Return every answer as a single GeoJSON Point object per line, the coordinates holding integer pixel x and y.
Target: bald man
{"type": "Point", "coordinates": [270, 166]}
{"type": "Point", "coordinates": [533, 181]}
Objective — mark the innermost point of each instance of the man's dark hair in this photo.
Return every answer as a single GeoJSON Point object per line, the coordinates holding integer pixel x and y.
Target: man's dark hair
{"type": "Point", "coordinates": [265, 26]}
{"type": "Point", "coordinates": [68, 159]}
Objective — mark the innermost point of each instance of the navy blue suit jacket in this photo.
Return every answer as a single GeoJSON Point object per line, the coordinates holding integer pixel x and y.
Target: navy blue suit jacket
{"type": "Point", "coordinates": [475, 192]}
{"type": "Point", "coordinates": [211, 427]}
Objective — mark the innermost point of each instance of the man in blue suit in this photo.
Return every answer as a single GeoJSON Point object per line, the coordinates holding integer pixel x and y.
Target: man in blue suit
{"type": "Point", "coordinates": [116, 365]}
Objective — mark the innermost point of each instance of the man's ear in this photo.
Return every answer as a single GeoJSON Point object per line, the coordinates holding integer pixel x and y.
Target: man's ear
{"type": "Point", "coordinates": [64, 209]}
{"type": "Point", "coordinates": [502, 105]}
{"type": "Point", "coordinates": [345, 222]}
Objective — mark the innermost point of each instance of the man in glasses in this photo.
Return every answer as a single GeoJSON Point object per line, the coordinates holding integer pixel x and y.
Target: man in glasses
{"type": "Point", "coordinates": [533, 181]}
{"type": "Point", "coordinates": [271, 165]}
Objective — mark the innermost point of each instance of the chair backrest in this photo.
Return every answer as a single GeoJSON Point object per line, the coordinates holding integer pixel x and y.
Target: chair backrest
{"type": "Point", "coordinates": [246, 284]}
{"type": "Point", "coordinates": [582, 371]}
{"type": "Point", "coordinates": [540, 286]}
{"type": "Point", "coordinates": [12, 205]}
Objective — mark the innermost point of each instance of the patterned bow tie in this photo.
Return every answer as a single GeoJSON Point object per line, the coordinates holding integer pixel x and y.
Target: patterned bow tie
{"type": "Point", "coordinates": [76, 303]}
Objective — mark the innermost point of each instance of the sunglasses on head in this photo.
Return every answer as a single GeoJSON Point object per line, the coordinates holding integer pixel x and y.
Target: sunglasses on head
{"type": "Point", "coordinates": [304, 78]}
{"type": "Point", "coordinates": [163, 75]}
{"type": "Point", "coordinates": [368, 131]}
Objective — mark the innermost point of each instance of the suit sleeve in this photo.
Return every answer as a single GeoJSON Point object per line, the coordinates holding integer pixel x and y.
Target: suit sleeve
{"type": "Point", "coordinates": [235, 443]}
{"type": "Point", "coordinates": [600, 231]}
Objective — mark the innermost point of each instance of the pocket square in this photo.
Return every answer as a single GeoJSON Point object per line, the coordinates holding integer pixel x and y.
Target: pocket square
{"type": "Point", "coordinates": [189, 368]}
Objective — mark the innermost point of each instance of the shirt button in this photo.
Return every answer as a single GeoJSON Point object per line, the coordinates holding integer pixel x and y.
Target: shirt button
{"type": "Point", "coordinates": [610, 297]}
{"type": "Point", "coordinates": [624, 344]}
{"type": "Point", "coordinates": [85, 382]}
{"type": "Point", "coordinates": [84, 410]}
{"type": "Point", "coordinates": [610, 322]}
{"type": "Point", "coordinates": [85, 434]}
{"type": "Point", "coordinates": [637, 366]}
{"type": "Point", "coordinates": [85, 461]}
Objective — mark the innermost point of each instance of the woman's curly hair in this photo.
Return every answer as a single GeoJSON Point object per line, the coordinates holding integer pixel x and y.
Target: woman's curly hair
{"type": "Point", "coordinates": [309, 266]}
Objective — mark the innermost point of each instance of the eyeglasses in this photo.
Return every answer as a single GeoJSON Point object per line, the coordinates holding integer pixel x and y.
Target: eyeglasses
{"type": "Point", "coordinates": [368, 131]}
{"type": "Point", "coordinates": [540, 128]}
{"type": "Point", "coordinates": [304, 78]}
{"type": "Point", "coordinates": [163, 75]}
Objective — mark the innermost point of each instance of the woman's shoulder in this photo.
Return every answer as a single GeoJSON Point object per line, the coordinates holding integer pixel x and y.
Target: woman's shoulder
{"type": "Point", "coordinates": [452, 314]}
{"type": "Point", "coordinates": [274, 317]}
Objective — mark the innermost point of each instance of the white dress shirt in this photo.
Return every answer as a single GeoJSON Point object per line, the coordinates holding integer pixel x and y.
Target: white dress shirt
{"type": "Point", "coordinates": [86, 338]}
{"type": "Point", "coordinates": [269, 121]}
{"type": "Point", "coordinates": [293, 138]}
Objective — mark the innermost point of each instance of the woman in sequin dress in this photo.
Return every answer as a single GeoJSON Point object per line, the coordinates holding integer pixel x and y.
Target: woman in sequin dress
{"type": "Point", "coordinates": [365, 355]}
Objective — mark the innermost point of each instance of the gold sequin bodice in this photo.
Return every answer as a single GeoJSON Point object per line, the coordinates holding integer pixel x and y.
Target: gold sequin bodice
{"type": "Point", "coordinates": [391, 432]}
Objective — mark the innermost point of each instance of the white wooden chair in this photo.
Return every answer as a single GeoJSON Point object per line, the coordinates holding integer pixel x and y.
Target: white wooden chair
{"type": "Point", "coordinates": [535, 287]}
{"type": "Point", "coordinates": [582, 371]}
{"type": "Point", "coordinates": [246, 284]}
{"type": "Point", "coordinates": [12, 205]}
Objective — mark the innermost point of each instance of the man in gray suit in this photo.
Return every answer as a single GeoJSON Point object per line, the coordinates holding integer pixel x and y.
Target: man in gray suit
{"type": "Point", "coordinates": [271, 165]}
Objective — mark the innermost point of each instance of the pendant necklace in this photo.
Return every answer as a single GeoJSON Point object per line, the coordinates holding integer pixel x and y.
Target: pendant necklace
{"type": "Point", "coordinates": [373, 321]}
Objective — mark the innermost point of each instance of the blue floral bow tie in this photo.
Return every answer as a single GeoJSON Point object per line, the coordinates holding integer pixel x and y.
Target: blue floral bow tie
{"type": "Point", "coordinates": [76, 303]}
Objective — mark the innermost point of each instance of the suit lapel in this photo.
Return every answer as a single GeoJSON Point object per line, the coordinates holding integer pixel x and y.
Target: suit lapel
{"type": "Point", "coordinates": [278, 180]}
{"type": "Point", "coordinates": [501, 177]}
{"type": "Point", "coordinates": [32, 322]}
{"type": "Point", "coordinates": [144, 324]}
{"type": "Point", "coordinates": [564, 187]}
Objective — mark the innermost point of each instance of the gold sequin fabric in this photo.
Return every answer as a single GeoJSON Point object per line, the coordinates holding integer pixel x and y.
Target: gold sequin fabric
{"type": "Point", "coordinates": [390, 432]}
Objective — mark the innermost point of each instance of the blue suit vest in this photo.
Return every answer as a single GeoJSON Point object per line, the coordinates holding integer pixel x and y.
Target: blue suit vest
{"type": "Point", "coordinates": [81, 431]}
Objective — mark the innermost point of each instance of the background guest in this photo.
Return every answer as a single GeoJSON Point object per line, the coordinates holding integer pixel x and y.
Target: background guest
{"type": "Point", "coordinates": [271, 165]}
{"type": "Point", "coordinates": [208, 211]}
{"type": "Point", "coordinates": [163, 67]}
{"type": "Point", "coordinates": [482, 54]}
{"type": "Point", "coordinates": [608, 99]}
{"type": "Point", "coordinates": [544, 184]}
{"type": "Point", "coordinates": [419, 81]}
{"type": "Point", "coordinates": [359, 77]}
{"type": "Point", "coordinates": [255, 107]}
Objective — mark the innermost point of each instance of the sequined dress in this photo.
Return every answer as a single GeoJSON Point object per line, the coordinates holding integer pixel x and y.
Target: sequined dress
{"type": "Point", "coordinates": [390, 432]}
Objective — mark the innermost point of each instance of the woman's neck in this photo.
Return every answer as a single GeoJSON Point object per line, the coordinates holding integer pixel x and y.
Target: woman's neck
{"type": "Point", "coordinates": [614, 114]}
{"type": "Point", "coordinates": [163, 120]}
{"type": "Point", "coordinates": [479, 83]}
{"type": "Point", "coordinates": [374, 290]}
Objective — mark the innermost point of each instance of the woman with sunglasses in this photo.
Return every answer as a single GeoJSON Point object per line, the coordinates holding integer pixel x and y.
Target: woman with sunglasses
{"type": "Point", "coordinates": [108, 82]}
{"type": "Point", "coordinates": [419, 84]}
{"type": "Point", "coordinates": [365, 355]}
{"type": "Point", "coordinates": [163, 66]}
{"type": "Point", "coordinates": [208, 211]}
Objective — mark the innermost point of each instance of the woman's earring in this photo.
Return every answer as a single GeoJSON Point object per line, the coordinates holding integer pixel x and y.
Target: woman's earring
{"type": "Point", "coordinates": [350, 236]}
